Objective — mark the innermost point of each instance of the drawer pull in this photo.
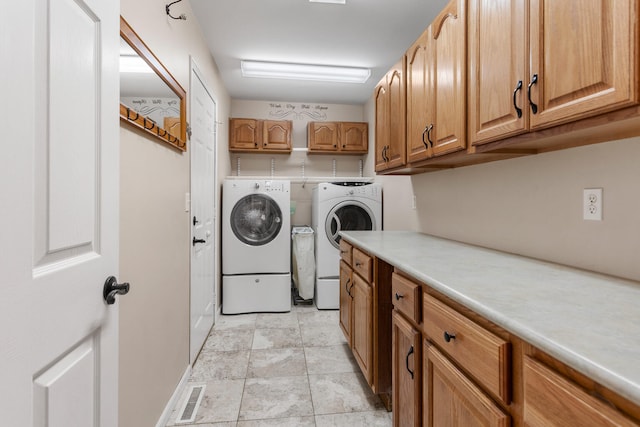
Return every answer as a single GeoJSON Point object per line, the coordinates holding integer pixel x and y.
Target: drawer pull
{"type": "Point", "coordinates": [407, 361]}
{"type": "Point", "coordinates": [448, 337]}
{"type": "Point", "coordinates": [398, 296]}
{"type": "Point", "coordinates": [343, 252]}
{"type": "Point", "coordinates": [358, 264]}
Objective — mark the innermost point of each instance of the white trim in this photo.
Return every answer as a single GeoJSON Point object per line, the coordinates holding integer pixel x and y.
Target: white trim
{"type": "Point", "coordinates": [173, 401]}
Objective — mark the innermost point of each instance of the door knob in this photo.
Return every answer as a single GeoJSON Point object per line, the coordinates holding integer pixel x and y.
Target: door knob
{"type": "Point", "coordinates": [198, 241]}
{"type": "Point", "coordinates": [112, 288]}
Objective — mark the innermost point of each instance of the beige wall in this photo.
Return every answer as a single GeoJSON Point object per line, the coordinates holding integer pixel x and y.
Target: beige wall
{"type": "Point", "coordinates": [154, 236]}
{"type": "Point", "coordinates": [530, 206]}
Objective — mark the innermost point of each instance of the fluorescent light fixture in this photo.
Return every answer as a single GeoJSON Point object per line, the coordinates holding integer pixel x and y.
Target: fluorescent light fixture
{"type": "Point", "coordinates": [284, 70]}
{"type": "Point", "coordinates": [329, 1]}
{"type": "Point", "coordinates": [134, 64]}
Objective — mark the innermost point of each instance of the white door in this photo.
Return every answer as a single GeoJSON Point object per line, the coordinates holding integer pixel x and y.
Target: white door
{"type": "Point", "coordinates": [203, 143]}
{"type": "Point", "coordinates": [58, 212]}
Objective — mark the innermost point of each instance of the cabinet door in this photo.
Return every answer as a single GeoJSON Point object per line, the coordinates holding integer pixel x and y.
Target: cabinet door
{"type": "Point", "coordinates": [449, 79]}
{"type": "Point", "coordinates": [406, 350]}
{"type": "Point", "coordinates": [382, 126]}
{"type": "Point", "coordinates": [451, 399]}
{"type": "Point", "coordinates": [498, 57]}
{"type": "Point", "coordinates": [584, 56]}
{"type": "Point", "coordinates": [363, 325]}
{"type": "Point", "coordinates": [419, 105]}
{"type": "Point", "coordinates": [322, 136]}
{"type": "Point", "coordinates": [396, 152]}
{"type": "Point", "coordinates": [245, 134]}
{"type": "Point", "coordinates": [552, 400]}
{"type": "Point", "coordinates": [354, 137]}
{"type": "Point", "coordinates": [277, 135]}
{"type": "Point", "coordinates": [346, 301]}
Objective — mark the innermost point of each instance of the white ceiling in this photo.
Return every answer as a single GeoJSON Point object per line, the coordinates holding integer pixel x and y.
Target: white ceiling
{"type": "Point", "coordinates": [363, 33]}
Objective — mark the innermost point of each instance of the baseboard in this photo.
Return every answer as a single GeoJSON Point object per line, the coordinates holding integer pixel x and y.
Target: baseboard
{"type": "Point", "coordinates": [173, 401]}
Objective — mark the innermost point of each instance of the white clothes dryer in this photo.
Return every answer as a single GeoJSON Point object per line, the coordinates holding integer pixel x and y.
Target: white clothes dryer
{"type": "Point", "coordinates": [336, 207]}
{"type": "Point", "coordinates": [256, 246]}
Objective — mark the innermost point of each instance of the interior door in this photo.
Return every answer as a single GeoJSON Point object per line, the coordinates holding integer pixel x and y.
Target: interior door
{"type": "Point", "coordinates": [59, 210]}
{"type": "Point", "coordinates": [203, 141]}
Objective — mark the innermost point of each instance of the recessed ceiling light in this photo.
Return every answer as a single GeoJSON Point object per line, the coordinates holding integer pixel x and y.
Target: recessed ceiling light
{"type": "Point", "coordinates": [329, 1]}
{"type": "Point", "coordinates": [284, 70]}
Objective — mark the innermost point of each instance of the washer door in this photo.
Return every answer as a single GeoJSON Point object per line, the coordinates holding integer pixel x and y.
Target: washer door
{"type": "Point", "coordinates": [348, 215]}
{"type": "Point", "coordinates": [256, 219]}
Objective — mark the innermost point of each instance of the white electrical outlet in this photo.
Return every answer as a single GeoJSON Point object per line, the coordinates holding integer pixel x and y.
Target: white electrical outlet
{"type": "Point", "coordinates": [592, 204]}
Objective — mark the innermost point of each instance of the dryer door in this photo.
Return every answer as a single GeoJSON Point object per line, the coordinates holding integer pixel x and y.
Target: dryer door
{"type": "Point", "coordinates": [348, 215]}
{"type": "Point", "coordinates": [256, 219]}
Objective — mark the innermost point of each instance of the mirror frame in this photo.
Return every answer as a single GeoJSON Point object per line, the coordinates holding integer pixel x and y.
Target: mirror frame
{"type": "Point", "coordinates": [132, 117]}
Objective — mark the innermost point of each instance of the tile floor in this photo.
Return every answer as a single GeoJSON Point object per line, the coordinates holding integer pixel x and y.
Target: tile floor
{"type": "Point", "coordinates": [290, 369]}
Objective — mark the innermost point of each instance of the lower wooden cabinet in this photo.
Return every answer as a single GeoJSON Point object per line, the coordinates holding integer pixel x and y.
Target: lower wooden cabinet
{"type": "Point", "coordinates": [346, 301]}
{"type": "Point", "coordinates": [362, 325]}
{"type": "Point", "coordinates": [452, 400]}
{"type": "Point", "coordinates": [552, 400]}
{"type": "Point", "coordinates": [365, 315]}
{"type": "Point", "coordinates": [406, 349]}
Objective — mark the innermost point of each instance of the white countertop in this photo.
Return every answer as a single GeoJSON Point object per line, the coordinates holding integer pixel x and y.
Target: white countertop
{"type": "Point", "coordinates": [589, 321]}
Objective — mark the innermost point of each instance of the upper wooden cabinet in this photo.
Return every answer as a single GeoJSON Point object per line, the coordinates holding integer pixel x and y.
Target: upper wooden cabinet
{"type": "Point", "coordinates": [436, 86]}
{"type": "Point", "coordinates": [251, 135]}
{"type": "Point", "coordinates": [581, 63]}
{"type": "Point", "coordinates": [390, 119]}
{"type": "Point", "coordinates": [340, 137]}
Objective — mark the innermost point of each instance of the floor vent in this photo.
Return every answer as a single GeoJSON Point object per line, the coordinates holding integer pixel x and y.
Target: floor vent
{"type": "Point", "coordinates": [190, 407]}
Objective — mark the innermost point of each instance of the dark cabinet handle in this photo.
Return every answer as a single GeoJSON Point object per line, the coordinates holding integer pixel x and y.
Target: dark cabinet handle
{"type": "Point", "coordinates": [198, 241]}
{"type": "Point", "coordinates": [398, 296]}
{"type": "Point", "coordinates": [515, 105]}
{"type": "Point", "coordinates": [346, 288]}
{"type": "Point", "coordinates": [534, 80]}
{"type": "Point", "coordinates": [255, 143]}
{"type": "Point", "coordinates": [424, 134]}
{"type": "Point", "coordinates": [384, 153]}
{"type": "Point", "coordinates": [406, 360]}
{"type": "Point", "coordinates": [448, 337]}
{"type": "Point", "coordinates": [429, 135]}
{"type": "Point", "coordinates": [112, 288]}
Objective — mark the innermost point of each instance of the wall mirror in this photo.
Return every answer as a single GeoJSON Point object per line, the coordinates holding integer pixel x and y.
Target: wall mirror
{"type": "Point", "coordinates": [151, 99]}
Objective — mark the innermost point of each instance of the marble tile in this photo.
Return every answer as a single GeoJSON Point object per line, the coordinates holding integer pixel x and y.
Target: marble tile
{"type": "Point", "coordinates": [221, 401]}
{"type": "Point", "coordinates": [277, 362]}
{"type": "Point", "coordinates": [277, 320]}
{"type": "Point", "coordinates": [280, 422]}
{"type": "Point", "coordinates": [317, 336]}
{"type": "Point", "coordinates": [356, 419]}
{"type": "Point", "coordinates": [220, 365]}
{"type": "Point", "coordinates": [276, 338]}
{"type": "Point", "coordinates": [319, 318]}
{"type": "Point", "coordinates": [275, 398]}
{"type": "Point", "coordinates": [330, 360]}
{"type": "Point", "coordinates": [237, 321]}
{"type": "Point", "coordinates": [229, 340]}
{"type": "Point", "coordinates": [338, 393]}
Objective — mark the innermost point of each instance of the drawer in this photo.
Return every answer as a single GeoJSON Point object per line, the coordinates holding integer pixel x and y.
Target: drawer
{"type": "Point", "coordinates": [345, 251]}
{"type": "Point", "coordinates": [552, 400]}
{"type": "Point", "coordinates": [362, 264]}
{"type": "Point", "coordinates": [405, 296]}
{"type": "Point", "coordinates": [482, 354]}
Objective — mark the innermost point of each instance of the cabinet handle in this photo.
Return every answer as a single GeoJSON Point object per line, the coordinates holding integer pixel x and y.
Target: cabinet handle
{"type": "Point", "coordinates": [255, 143]}
{"type": "Point", "coordinates": [515, 105]}
{"type": "Point", "coordinates": [351, 287]}
{"type": "Point", "coordinates": [534, 80]}
{"type": "Point", "coordinates": [345, 286]}
{"type": "Point", "coordinates": [448, 337]}
{"type": "Point", "coordinates": [406, 361]}
{"type": "Point", "coordinates": [384, 154]}
{"type": "Point", "coordinates": [335, 145]}
{"type": "Point", "coordinates": [426, 130]}
{"type": "Point", "coordinates": [429, 135]}
{"type": "Point", "coordinates": [358, 264]}
{"type": "Point", "coordinates": [398, 296]}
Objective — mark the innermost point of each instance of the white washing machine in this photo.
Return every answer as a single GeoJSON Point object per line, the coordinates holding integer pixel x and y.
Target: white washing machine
{"type": "Point", "coordinates": [336, 207]}
{"type": "Point", "coordinates": [256, 246]}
